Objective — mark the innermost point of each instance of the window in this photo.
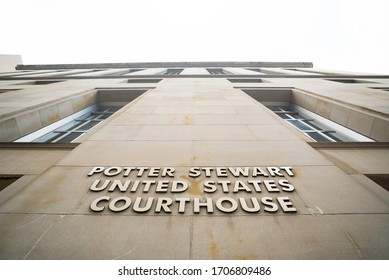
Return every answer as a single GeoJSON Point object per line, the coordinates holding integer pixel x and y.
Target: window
{"type": "Point", "coordinates": [40, 82]}
{"type": "Point", "coordinates": [316, 127]}
{"type": "Point", "coordinates": [173, 71]}
{"type": "Point", "coordinates": [248, 80]}
{"type": "Point", "coordinates": [10, 89]}
{"type": "Point", "coordinates": [383, 88]}
{"type": "Point", "coordinates": [135, 70]}
{"type": "Point", "coordinates": [45, 82]}
{"type": "Point", "coordinates": [269, 96]}
{"type": "Point", "coordinates": [308, 126]}
{"type": "Point", "coordinates": [215, 71]}
{"type": "Point", "coordinates": [6, 180]}
{"type": "Point", "coordinates": [144, 80]}
{"type": "Point", "coordinates": [349, 81]}
{"type": "Point", "coordinates": [72, 127]}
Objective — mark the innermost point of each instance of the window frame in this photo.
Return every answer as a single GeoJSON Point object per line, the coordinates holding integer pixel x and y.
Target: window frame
{"type": "Point", "coordinates": [91, 114]}
{"type": "Point", "coordinates": [327, 126]}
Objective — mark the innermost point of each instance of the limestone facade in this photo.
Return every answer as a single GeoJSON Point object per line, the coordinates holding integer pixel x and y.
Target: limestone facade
{"type": "Point", "coordinates": [193, 164]}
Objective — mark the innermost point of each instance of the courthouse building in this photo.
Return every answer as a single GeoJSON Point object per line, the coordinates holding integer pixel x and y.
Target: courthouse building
{"type": "Point", "coordinates": [205, 160]}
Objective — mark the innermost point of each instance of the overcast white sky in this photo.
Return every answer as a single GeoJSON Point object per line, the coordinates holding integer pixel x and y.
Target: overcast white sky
{"type": "Point", "coordinates": [333, 34]}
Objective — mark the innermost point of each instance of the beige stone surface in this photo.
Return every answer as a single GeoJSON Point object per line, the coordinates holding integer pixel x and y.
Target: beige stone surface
{"type": "Point", "coordinates": [195, 110]}
{"type": "Point", "coordinates": [6, 110]}
{"type": "Point", "coordinates": [144, 119]}
{"type": "Point", "coordinates": [195, 132]}
{"type": "Point", "coordinates": [9, 130]}
{"type": "Point", "coordinates": [65, 108]}
{"type": "Point", "coordinates": [297, 98]}
{"type": "Point", "coordinates": [340, 114]}
{"type": "Point", "coordinates": [290, 237]}
{"type": "Point", "coordinates": [380, 130]}
{"type": "Point", "coordinates": [265, 118]}
{"type": "Point", "coordinates": [372, 186]}
{"type": "Point", "coordinates": [19, 161]}
{"type": "Point", "coordinates": [49, 115]}
{"type": "Point", "coordinates": [193, 119]}
{"type": "Point", "coordinates": [310, 103]}
{"type": "Point", "coordinates": [29, 122]}
{"type": "Point", "coordinates": [78, 103]}
{"type": "Point", "coordinates": [17, 186]}
{"type": "Point", "coordinates": [329, 190]}
{"type": "Point", "coordinates": [382, 109]}
{"type": "Point", "coordinates": [186, 122]}
{"type": "Point", "coordinates": [363, 161]}
{"type": "Point", "coordinates": [140, 110]}
{"type": "Point", "coordinates": [324, 108]}
{"type": "Point", "coordinates": [276, 133]}
{"type": "Point", "coordinates": [223, 103]}
{"type": "Point", "coordinates": [357, 95]}
{"type": "Point", "coordinates": [253, 153]}
{"type": "Point", "coordinates": [58, 190]}
{"type": "Point", "coordinates": [94, 237]}
{"type": "Point", "coordinates": [20, 232]}
{"type": "Point", "coordinates": [124, 153]}
{"type": "Point", "coordinates": [360, 122]}
{"type": "Point", "coordinates": [367, 234]}
{"type": "Point", "coordinates": [115, 133]}
{"type": "Point", "coordinates": [33, 96]}
{"type": "Point", "coordinates": [251, 109]}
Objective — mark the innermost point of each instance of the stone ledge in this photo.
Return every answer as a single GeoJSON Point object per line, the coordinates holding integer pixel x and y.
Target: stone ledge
{"type": "Point", "coordinates": [34, 146]}
{"type": "Point", "coordinates": [349, 145]}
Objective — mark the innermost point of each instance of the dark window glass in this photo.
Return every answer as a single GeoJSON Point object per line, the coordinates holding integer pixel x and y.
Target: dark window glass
{"type": "Point", "coordinates": [318, 137]}
{"type": "Point", "coordinates": [75, 128]}
{"type": "Point", "coordinates": [70, 137]}
{"type": "Point", "coordinates": [173, 71]}
{"type": "Point", "coordinates": [215, 71]}
{"type": "Point", "coordinates": [88, 125]}
{"type": "Point", "coordinates": [5, 181]}
{"type": "Point", "coordinates": [104, 116]}
{"type": "Point", "coordinates": [144, 80]}
{"type": "Point", "coordinates": [248, 80]}
{"type": "Point", "coordinates": [284, 116]}
{"type": "Point", "coordinates": [332, 136]}
{"type": "Point", "coordinates": [380, 179]}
